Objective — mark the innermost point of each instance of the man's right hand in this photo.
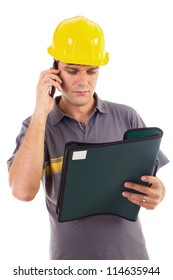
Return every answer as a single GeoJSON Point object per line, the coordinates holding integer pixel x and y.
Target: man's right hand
{"type": "Point", "coordinates": [48, 78]}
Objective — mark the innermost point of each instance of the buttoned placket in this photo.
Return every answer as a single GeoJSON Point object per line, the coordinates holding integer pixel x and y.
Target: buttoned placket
{"type": "Point", "coordinates": [79, 125]}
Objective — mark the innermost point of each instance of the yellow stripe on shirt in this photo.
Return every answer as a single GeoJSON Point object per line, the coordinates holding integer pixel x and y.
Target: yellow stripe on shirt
{"type": "Point", "coordinates": [54, 166]}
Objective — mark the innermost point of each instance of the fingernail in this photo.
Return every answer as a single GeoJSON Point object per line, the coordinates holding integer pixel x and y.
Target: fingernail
{"type": "Point", "coordinates": [127, 184]}
{"type": "Point", "coordinates": [124, 194]}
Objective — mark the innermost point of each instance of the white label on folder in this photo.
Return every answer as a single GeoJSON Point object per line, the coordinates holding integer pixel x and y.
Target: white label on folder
{"type": "Point", "coordinates": [78, 155]}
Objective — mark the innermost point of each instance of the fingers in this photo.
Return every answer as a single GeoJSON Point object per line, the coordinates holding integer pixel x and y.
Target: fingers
{"type": "Point", "coordinates": [54, 77]}
{"type": "Point", "coordinates": [148, 196]}
{"type": "Point", "coordinates": [151, 180]}
{"type": "Point", "coordinates": [50, 79]}
{"type": "Point", "coordinates": [143, 200]}
{"type": "Point", "coordinates": [48, 82]}
{"type": "Point", "coordinates": [53, 83]}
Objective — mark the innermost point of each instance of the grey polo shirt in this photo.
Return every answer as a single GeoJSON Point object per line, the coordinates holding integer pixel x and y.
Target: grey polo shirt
{"type": "Point", "coordinates": [105, 237]}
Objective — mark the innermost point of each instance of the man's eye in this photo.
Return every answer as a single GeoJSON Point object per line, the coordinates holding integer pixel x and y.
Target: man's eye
{"type": "Point", "coordinates": [92, 72]}
{"type": "Point", "coordinates": [71, 72]}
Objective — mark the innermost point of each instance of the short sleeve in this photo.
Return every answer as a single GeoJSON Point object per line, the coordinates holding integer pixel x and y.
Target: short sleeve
{"type": "Point", "coordinates": [19, 140]}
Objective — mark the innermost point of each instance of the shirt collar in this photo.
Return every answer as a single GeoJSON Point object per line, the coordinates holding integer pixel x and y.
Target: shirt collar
{"type": "Point", "coordinates": [56, 115]}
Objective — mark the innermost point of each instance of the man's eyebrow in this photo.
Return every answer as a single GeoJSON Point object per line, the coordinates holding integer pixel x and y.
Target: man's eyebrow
{"type": "Point", "coordinates": [73, 66]}
{"type": "Point", "coordinates": [94, 67]}
{"type": "Point", "coordinates": [70, 66]}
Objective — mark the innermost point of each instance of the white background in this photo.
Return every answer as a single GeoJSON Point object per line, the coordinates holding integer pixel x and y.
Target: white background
{"type": "Point", "coordinates": [139, 38]}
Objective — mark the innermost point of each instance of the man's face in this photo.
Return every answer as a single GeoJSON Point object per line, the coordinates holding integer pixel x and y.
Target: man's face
{"type": "Point", "coordinates": [78, 82]}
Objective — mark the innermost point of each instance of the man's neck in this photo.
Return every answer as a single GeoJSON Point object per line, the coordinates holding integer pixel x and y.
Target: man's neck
{"type": "Point", "coordinates": [79, 113]}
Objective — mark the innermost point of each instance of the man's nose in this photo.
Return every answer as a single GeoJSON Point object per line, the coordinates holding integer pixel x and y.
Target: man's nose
{"type": "Point", "coordinates": [82, 77]}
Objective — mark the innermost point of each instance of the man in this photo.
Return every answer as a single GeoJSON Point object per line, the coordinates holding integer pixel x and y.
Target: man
{"type": "Point", "coordinates": [78, 115]}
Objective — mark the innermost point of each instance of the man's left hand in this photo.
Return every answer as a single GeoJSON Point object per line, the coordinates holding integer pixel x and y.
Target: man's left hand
{"type": "Point", "coordinates": [150, 196]}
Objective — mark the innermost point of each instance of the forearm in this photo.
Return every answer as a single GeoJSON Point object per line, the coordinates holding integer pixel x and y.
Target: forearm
{"type": "Point", "coordinates": [26, 169]}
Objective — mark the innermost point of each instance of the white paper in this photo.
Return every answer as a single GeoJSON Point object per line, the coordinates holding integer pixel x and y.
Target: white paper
{"type": "Point", "coordinates": [78, 155]}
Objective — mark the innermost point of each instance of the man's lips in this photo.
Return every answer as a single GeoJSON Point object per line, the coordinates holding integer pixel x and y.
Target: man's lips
{"type": "Point", "coordinates": [81, 92]}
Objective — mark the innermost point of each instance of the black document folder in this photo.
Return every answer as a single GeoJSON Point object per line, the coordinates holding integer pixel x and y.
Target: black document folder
{"type": "Point", "coordinates": [93, 174]}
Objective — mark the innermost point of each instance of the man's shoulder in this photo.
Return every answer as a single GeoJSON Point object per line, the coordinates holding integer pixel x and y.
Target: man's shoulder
{"type": "Point", "coordinates": [118, 107]}
{"type": "Point", "coordinates": [26, 121]}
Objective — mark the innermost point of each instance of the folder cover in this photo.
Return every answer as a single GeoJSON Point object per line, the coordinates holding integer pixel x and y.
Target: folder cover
{"type": "Point", "coordinates": [93, 174]}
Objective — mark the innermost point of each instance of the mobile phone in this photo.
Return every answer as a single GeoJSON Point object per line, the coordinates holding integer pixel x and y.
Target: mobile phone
{"type": "Point", "coordinates": [53, 89]}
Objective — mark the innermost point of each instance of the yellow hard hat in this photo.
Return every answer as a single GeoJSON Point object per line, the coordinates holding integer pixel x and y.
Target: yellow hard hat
{"type": "Point", "coordinates": [79, 40]}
